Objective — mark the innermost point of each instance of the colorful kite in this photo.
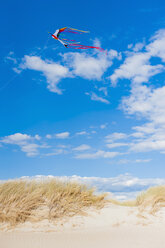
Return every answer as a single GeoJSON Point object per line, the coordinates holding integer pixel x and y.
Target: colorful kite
{"type": "Point", "coordinates": [72, 43]}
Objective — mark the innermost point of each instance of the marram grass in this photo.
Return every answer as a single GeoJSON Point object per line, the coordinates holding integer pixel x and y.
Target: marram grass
{"type": "Point", "coordinates": [152, 199]}
{"type": "Point", "coordinates": [30, 200]}
{"type": "Point", "coordinates": [22, 201]}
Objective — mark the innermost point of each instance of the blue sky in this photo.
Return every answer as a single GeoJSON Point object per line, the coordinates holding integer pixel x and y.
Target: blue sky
{"type": "Point", "coordinates": [68, 112]}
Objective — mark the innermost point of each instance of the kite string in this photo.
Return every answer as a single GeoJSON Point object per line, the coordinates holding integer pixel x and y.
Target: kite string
{"type": "Point", "coordinates": [44, 47]}
{"type": "Point", "coordinates": [8, 82]}
{"type": "Point", "coordinates": [16, 75]}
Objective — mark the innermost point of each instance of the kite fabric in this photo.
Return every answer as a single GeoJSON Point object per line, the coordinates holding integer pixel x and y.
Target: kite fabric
{"type": "Point", "coordinates": [72, 43]}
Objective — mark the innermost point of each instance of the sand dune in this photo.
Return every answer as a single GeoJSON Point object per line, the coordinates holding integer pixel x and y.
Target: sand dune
{"type": "Point", "coordinates": [53, 214]}
{"type": "Point", "coordinates": [113, 226]}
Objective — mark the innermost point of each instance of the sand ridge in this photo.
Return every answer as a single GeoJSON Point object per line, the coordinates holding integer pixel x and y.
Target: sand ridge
{"type": "Point", "coordinates": [112, 226]}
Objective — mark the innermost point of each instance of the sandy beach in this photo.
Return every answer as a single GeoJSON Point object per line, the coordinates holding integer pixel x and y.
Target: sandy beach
{"type": "Point", "coordinates": [113, 226]}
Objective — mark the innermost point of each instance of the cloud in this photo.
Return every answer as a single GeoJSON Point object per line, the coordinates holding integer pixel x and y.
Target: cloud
{"type": "Point", "coordinates": [63, 135]}
{"type": "Point", "coordinates": [142, 160]}
{"type": "Point", "coordinates": [128, 161]}
{"type": "Point", "coordinates": [104, 90]}
{"type": "Point", "coordinates": [81, 133]}
{"type": "Point", "coordinates": [103, 126]}
{"type": "Point", "coordinates": [114, 145]}
{"type": "Point", "coordinates": [16, 70]}
{"type": "Point", "coordinates": [17, 138]}
{"type": "Point", "coordinates": [145, 101]}
{"type": "Point", "coordinates": [71, 65]}
{"type": "Point", "coordinates": [82, 147]}
{"type": "Point", "coordinates": [10, 57]}
{"type": "Point", "coordinates": [95, 97]}
{"type": "Point", "coordinates": [123, 187]}
{"type": "Point", "coordinates": [137, 66]}
{"type": "Point", "coordinates": [89, 66]}
{"type": "Point", "coordinates": [156, 47]}
{"type": "Point", "coordinates": [96, 155]}
{"type": "Point", "coordinates": [30, 149]}
{"type": "Point", "coordinates": [115, 136]}
{"type": "Point", "coordinates": [53, 72]}
{"type": "Point", "coordinates": [148, 144]}
{"type": "Point", "coordinates": [55, 152]}
{"type": "Point", "coordinates": [25, 142]}
{"type": "Point", "coordinates": [138, 46]}
{"type": "Point", "coordinates": [48, 136]}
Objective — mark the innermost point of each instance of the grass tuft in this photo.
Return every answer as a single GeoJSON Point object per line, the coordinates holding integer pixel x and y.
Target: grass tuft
{"type": "Point", "coordinates": [152, 199]}
{"type": "Point", "coordinates": [30, 200]}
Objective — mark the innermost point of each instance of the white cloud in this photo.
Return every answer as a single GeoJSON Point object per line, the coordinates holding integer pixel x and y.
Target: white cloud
{"type": "Point", "coordinates": [81, 133]}
{"type": "Point", "coordinates": [17, 138]}
{"type": "Point", "coordinates": [145, 101]}
{"type": "Point", "coordinates": [114, 145]}
{"type": "Point", "coordinates": [103, 126]}
{"type": "Point", "coordinates": [30, 149]}
{"type": "Point", "coordinates": [16, 70]}
{"type": "Point", "coordinates": [137, 66]}
{"type": "Point", "coordinates": [96, 155]}
{"type": "Point", "coordinates": [130, 46]}
{"type": "Point", "coordinates": [53, 72]}
{"type": "Point", "coordinates": [10, 57]}
{"type": "Point", "coordinates": [97, 98]}
{"type": "Point", "coordinates": [142, 160]}
{"type": "Point", "coordinates": [37, 137]}
{"type": "Point", "coordinates": [49, 136]}
{"type": "Point", "coordinates": [104, 90]}
{"type": "Point", "coordinates": [128, 161]}
{"type": "Point", "coordinates": [63, 135]}
{"type": "Point", "coordinates": [25, 142]}
{"type": "Point", "coordinates": [93, 131]}
{"type": "Point", "coordinates": [156, 47]}
{"type": "Point", "coordinates": [138, 46]}
{"type": "Point", "coordinates": [82, 147]}
{"type": "Point", "coordinates": [148, 145]}
{"type": "Point", "coordinates": [88, 66]}
{"type": "Point", "coordinates": [55, 152]}
{"type": "Point", "coordinates": [123, 186]}
{"type": "Point", "coordinates": [115, 136]}
{"type": "Point", "coordinates": [72, 64]}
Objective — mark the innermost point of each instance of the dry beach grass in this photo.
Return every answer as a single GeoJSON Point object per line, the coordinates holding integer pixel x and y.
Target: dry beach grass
{"type": "Point", "coordinates": [37, 214]}
{"type": "Point", "coordinates": [151, 200]}
{"type": "Point", "coordinates": [33, 201]}
{"type": "Point", "coordinates": [22, 200]}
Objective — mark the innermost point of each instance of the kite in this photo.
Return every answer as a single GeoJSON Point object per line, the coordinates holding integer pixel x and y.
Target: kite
{"type": "Point", "coordinates": [72, 43]}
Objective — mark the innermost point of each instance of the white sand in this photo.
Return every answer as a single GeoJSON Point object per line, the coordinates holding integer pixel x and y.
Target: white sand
{"type": "Point", "coordinates": [113, 226]}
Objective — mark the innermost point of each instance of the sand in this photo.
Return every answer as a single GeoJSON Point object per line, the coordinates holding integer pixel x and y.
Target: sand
{"type": "Point", "coordinates": [113, 226]}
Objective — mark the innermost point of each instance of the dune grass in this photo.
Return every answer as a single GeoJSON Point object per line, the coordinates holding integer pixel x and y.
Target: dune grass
{"type": "Point", "coordinates": [22, 200]}
{"type": "Point", "coordinates": [152, 199]}
{"type": "Point", "coordinates": [30, 200]}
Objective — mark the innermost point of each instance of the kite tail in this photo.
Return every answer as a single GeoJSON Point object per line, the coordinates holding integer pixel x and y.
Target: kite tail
{"type": "Point", "coordinates": [67, 39]}
{"type": "Point", "coordinates": [79, 30]}
{"type": "Point", "coordinates": [78, 46]}
{"type": "Point", "coordinates": [74, 31]}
